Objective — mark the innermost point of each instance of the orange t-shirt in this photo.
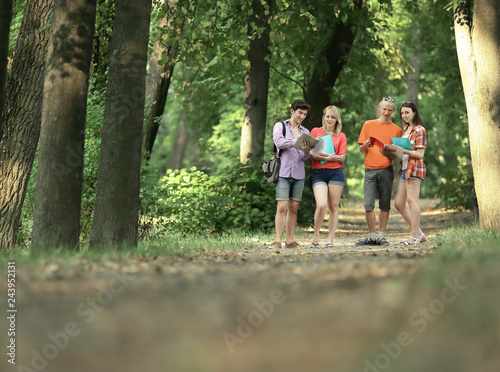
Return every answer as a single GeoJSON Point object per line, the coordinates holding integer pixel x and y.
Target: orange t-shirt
{"type": "Point", "coordinates": [373, 158]}
{"type": "Point", "coordinates": [339, 143]}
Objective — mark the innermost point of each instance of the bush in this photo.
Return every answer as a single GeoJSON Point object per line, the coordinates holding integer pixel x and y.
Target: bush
{"type": "Point", "coordinates": [458, 191]}
{"type": "Point", "coordinates": [236, 197]}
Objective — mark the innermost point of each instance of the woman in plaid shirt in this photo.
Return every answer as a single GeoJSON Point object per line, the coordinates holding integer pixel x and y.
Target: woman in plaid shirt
{"type": "Point", "coordinates": [412, 171]}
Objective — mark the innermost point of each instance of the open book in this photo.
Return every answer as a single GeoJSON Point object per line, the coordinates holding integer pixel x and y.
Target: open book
{"type": "Point", "coordinates": [396, 141]}
{"type": "Point", "coordinates": [312, 141]}
{"type": "Point", "coordinates": [397, 146]}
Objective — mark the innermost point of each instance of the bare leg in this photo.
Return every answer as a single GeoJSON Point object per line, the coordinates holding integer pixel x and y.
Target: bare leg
{"type": "Point", "coordinates": [291, 220]}
{"type": "Point", "coordinates": [371, 220]}
{"type": "Point", "coordinates": [334, 194]}
{"type": "Point", "coordinates": [402, 197]}
{"type": "Point", "coordinates": [280, 219]}
{"type": "Point", "coordinates": [320, 194]}
{"type": "Point", "coordinates": [383, 220]}
{"type": "Point", "coordinates": [413, 194]}
{"type": "Point", "coordinates": [400, 203]}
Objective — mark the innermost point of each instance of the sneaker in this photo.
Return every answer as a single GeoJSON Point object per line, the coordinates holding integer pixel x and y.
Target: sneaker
{"type": "Point", "coordinates": [275, 245]}
{"type": "Point", "coordinates": [292, 245]}
{"type": "Point", "coordinates": [382, 241]}
{"type": "Point", "coordinates": [367, 241]}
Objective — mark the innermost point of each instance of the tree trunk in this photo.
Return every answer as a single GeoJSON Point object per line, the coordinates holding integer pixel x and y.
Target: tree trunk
{"type": "Point", "coordinates": [413, 81]}
{"type": "Point", "coordinates": [180, 143]}
{"type": "Point", "coordinates": [56, 221]}
{"type": "Point", "coordinates": [22, 116]}
{"type": "Point", "coordinates": [415, 62]}
{"type": "Point", "coordinates": [5, 19]}
{"type": "Point", "coordinates": [159, 77]}
{"type": "Point", "coordinates": [117, 198]}
{"type": "Point", "coordinates": [479, 58]}
{"type": "Point", "coordinates": [256, 83]}
{"type": "Point", "coordinates": [334, 55]}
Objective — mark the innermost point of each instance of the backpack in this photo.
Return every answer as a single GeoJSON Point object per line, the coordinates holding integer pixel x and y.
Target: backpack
{"type": "Point", "coordinates": [271, 167]}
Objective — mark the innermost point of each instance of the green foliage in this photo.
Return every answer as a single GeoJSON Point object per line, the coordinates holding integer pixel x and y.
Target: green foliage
{"type": "Point", "coordinates": [457, 191]}
{"type": "Point", "coordinates": [95, 115]}
{"type": "Point", "coordinates": [17, 18]}
{"type": "Point", "coordinates": [232, 198]}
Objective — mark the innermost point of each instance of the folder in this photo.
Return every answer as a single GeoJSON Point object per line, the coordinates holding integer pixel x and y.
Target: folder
{"type": "Point", "coordinates": [329, 148]}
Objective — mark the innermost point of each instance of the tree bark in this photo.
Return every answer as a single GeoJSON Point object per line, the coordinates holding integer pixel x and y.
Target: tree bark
{"type": "Point", "coordinates": [22, 116]}
{"type": "Point", "coordinates": [5, 19]}
{"type": "Point", "coordinates": [56, 221]}
{"type": "Point", "coordinates": [256, 83]}
{"type": "Point", "coordinates": [117, 198]}
{"type": "Point", "coordinates": [415, 62]}
{"type": "Point", "coordinates": [484, 133]}
{"type": "Point", "coordinates": [479, 57]}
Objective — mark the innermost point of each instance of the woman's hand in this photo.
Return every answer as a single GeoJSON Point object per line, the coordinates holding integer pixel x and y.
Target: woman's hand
{"type": "Point", "coordinates": [334, 158]}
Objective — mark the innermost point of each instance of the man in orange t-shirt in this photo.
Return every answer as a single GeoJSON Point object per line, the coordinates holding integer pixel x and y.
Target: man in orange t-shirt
{"type": "Point", "coordinates": [379, 174]}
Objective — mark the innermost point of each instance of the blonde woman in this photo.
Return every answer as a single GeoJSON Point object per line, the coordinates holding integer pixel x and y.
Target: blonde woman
{"type": "Point", "coordinates": [328, 177]}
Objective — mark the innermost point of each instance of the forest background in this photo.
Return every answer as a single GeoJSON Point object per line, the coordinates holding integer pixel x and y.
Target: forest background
{"type": "Point", "coordinates": [206, 128]}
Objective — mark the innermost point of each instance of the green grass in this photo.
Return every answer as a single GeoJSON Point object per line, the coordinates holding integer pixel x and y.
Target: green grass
{"type": "Point", "coordinates": [173, 244]}
{"type": "Point", "coordinates": [455, 247]}
{"type": "Point", "coordinates": [477, 246]}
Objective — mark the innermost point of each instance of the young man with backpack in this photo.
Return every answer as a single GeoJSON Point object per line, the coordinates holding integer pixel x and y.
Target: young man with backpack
{"type": "Point", "coordinates": [292, 173]}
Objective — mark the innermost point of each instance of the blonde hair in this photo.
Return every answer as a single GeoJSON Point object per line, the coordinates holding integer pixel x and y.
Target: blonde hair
{"type": "Point", "coordinates": [336, 114]}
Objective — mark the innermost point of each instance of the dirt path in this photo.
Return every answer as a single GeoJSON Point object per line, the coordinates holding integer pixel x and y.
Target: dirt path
{"type": "Point", "coordinates": [249, 310]}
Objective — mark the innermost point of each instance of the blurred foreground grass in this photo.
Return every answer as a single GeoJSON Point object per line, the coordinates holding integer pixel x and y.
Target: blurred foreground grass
{"type": "Point", "coordinates": [450, 320]}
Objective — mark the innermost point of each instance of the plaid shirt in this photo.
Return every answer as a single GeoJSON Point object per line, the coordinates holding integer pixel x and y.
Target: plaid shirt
{"type": "Point", "coordinates": [418, 139]}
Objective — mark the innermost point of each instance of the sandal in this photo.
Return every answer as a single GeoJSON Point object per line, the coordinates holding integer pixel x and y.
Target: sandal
{"type": "Point", "coordinates": [416, 241]}
{"type": "Point", "coordinates": [422, 238]}
{"type": "Point", "coordinates": [314, 245]}
{"type": "Point", "coordinates": [329, 245]}
{"type": "Point", "coordinates": [275, 245]}
{"type": "Point", "coordinates": [292, 245]}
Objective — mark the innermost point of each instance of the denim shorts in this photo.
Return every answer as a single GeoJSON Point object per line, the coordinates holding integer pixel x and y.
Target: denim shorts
{"type": "Point", "coordinates": [378, 182]}
{"type": "Point", "coordinates": [289, 188]}
{"type": "Point", "coordinates": [403, 177]}
{"type": "Point", "coordinates": [324, 176]}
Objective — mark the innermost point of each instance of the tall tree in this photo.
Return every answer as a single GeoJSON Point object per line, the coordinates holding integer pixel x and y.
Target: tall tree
{"type": "Point", "coordinates": [415, 62]}
{"type": "Point", "coordinates": [329, 63]}
{"type": "Point", "coordinates": [161, 67]}
{"type": "Point", "coordinates": [478, 47]}
{"type": "Point", "coordinates": [22, 116]}
{"type": "Point", "coordinates": [56, 221]}
{"type": "Point", "coordinates": [256, 82]}
{"type": "Point", "coordinates": [117, 198]}
{"type": "Point", "coordinates": [5, 19]}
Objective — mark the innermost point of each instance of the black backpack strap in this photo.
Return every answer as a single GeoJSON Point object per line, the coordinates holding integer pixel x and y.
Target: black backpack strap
{"type": "Point", "coordinates": [284, 134]}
